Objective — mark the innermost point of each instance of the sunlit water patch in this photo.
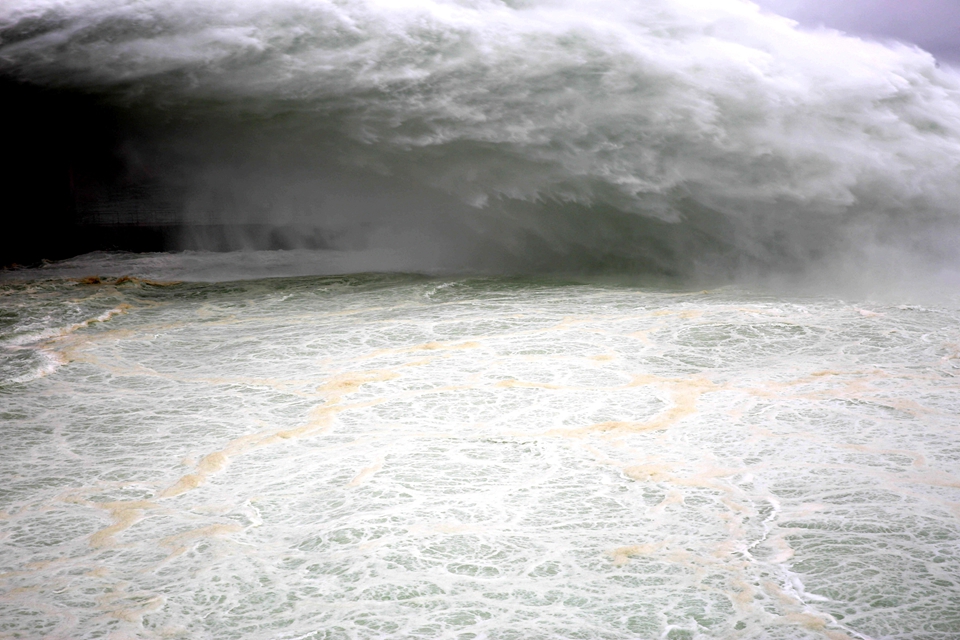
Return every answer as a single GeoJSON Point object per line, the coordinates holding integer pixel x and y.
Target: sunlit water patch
{"type": "Point", "coordinates": [374, 456]}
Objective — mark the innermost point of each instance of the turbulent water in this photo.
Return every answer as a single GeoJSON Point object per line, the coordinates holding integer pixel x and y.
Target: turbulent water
{"type": "Point", "coordinates": [233, 446]}
{"type": "Point", "coordinates": [375, 456]}
{"type": "Point", "coordinates": [678, 136]}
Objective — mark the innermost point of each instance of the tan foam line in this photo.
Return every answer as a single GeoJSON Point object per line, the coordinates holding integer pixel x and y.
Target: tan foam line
{"type": "Point", "coordinates": [918, 458]}
{"type": "Point", "coordinates": [564, 323]}
{"type": "Point", "coordinates": [124, 280]}
{"type": "Point", "coordinates": [72, 352]}
{"type": "Point", "coordinates": [65, 332]}
{"type": "Point", "coordinates": [858, 389]}
{"type": "Point", "coordinates": [426, 346]}
{"type": "Point", "coordinates": [180, 542]}
{"type": "Point", "coordinates": [739, 589]}
{"type": "Point", "coordinates": [321, 417]}
{"type": "Point", "coordinates": [284, 385]}
{"type": "Point", "coordinates": [126, 514]}
{"type": "Point", "coordinates": [683, 393]}
{"type": "Point", "coordinates": [622, 555]}
{"type": "Point", "coordinates": [287, 386]}
{"type": "Point", "coordinates": [365, 473]}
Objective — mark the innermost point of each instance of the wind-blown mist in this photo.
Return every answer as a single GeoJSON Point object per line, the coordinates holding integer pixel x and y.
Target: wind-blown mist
{"type": "Point", "coordinates": [673, 135]}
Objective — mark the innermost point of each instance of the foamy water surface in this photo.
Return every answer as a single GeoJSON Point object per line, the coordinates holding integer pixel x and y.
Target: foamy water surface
{"type": "Point", "coordinates": [373, 456]}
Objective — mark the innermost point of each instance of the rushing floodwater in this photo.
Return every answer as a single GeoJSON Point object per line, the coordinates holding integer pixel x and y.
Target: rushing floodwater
{"type": "Point", "coordinates": [370, 456]}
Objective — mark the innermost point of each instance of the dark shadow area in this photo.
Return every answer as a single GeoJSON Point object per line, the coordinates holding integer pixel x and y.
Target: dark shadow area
{"type": "Point", "coordinates": [53, 142]}
{"type": "Point", "coordinates": [72, 183]}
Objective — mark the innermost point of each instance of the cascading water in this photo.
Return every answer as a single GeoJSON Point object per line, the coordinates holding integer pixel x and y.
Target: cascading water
{"type": "Point", "coordinates": [247, 445]}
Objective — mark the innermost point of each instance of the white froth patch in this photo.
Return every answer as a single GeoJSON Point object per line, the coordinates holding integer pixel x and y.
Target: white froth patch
{"type": "Point", "coordinates": [396, 455]}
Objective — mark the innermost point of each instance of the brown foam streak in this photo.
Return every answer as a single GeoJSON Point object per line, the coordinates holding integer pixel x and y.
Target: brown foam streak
{"type": "Point", "coordinates": [124, 280]}
{"type": "Point", "coordinates": [365, 473]}
{"type": "Point", "coordinates": [69, 352]}
{"type": "Point", "coordinates": [740, 590]}
{"type": "Point", "coordinates": [919, 460]}
{"type": "Point", "coordinates": [284, 386]}
{"type": "Point", "coordinates": [893, 481]}
{"type": "Point", "coordinates": [683, 393]}
{"type": "Point", "coordinates": [64, 334]}
{"type": "Point", "coordinates": [346, 383]}
{"type": "Point", "coordinates": [622, 555]}
{"type": "Point", "coordinates": [126, 514]}
{"type": "Point", "coordinates": [180, 542]}
{"type": "Point", "coordinates": [426, 346]}
{"type": "Point", "coordinates": [475, 342]}
{"type": "Point", "coordinates": [860, 389]}
{"type": "Point", "coordinates": [564, 324]}
{"type": "Point", "coordinates": [320, 421]}
{"type": "Point", "coordinates": [520, 384]}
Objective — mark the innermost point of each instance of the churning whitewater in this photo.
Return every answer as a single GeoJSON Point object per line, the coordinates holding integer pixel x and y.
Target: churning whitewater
{"type": "Point", "coordinates": [672, 135]}
{"type": "Point", "coordinates": [193, 446]}
{"type": "Point", "coordinates": [397, 456]}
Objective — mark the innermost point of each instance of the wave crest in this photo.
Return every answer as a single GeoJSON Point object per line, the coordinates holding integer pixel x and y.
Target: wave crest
{"type": "Point", "coordinates": [772, 140]}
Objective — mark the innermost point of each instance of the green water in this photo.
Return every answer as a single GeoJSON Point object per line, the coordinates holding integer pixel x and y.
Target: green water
{"type": "Point", "coordinates": [400, 456]}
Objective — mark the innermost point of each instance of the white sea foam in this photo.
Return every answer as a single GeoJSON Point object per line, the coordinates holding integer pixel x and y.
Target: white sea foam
{"type": "Point", "coordinates": [42, 363]}
{"type": "Point", "coordinates": [34, 333]}
{"type": "Point", "coordinates": [388, 455]}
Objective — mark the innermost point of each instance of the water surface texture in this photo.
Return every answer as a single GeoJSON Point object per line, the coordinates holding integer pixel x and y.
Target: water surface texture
{"type": "Point", "coordinates": [382, 456]}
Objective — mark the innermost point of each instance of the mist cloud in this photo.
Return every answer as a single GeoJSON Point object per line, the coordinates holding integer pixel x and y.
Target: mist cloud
{"type": "Point", "coordinates": [671, 134]}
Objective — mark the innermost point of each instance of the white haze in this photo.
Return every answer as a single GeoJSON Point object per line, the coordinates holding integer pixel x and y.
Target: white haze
{"type": "Point", "coordinates": [690, 136]}
{"type": "Point", "coordinates": [933, 25]}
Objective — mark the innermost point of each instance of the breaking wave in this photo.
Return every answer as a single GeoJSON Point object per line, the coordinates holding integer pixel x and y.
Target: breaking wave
{"type": "Point", "coordinates": [673, 135]}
